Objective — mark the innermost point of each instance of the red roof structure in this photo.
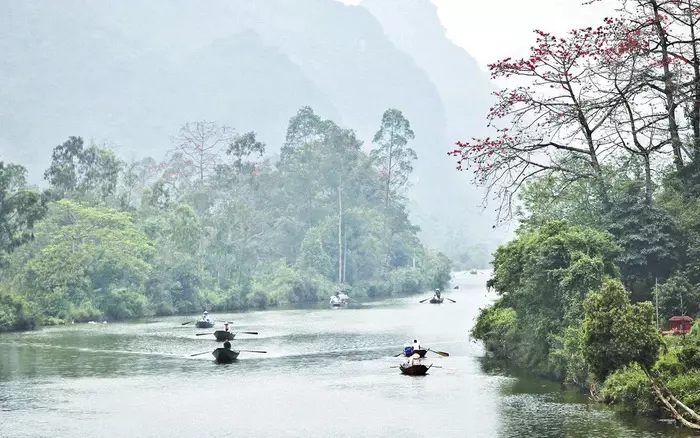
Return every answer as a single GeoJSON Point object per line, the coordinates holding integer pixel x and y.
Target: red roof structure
{"type": "Point", "coordinates": [680, 325]}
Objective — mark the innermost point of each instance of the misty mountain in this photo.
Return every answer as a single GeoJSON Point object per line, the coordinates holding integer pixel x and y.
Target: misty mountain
{"type": "Point", "coordinates": [130, 73]}
{"type": "Point", "coordinates": [465, 91]}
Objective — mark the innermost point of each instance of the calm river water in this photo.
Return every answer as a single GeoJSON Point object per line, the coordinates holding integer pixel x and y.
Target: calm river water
{"type": "Point", "coordinates": [326, 374]}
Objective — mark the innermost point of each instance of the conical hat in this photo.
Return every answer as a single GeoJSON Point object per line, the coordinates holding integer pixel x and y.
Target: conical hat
{"type": "Point", "coordinates": [415, 356]}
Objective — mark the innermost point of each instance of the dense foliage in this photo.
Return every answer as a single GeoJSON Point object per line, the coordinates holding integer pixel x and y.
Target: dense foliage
{"type": "Point", "coordinates": [215, 226]}
{"type": "Point", "coordinates": [602, 150]}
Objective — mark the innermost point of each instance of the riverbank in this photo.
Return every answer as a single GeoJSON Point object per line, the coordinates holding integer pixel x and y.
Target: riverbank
{"type": "Point", "coordinates": [27, 317]}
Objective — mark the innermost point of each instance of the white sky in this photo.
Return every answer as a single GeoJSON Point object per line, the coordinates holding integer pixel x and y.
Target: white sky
{"type": "Point", "coordinates": [494, 29]}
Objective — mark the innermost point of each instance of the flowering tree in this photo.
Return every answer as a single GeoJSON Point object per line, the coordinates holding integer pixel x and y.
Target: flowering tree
{"type": "Point", "coordinates": [597, 94]}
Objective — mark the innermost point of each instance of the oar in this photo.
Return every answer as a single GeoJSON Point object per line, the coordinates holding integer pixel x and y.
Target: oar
{"type": "Point", "coordinates": [199, 354]}
{"type": "Point", "coordinates": [450, 299]}
{"type": "Point", "coordinates": [249, 333]}
{"type": "Point", "coordinates": [188, 322]}
{"type": "Point", "coordinates": [440, 353]}
{"type": "Point", "coordinates": [397, 355]}
{"type": "Point", "coordinates": [202, 334]}
{"type": "Point", "coordinates": [421, 301]}
{"type": "Point", "coordinates": [253, 351]}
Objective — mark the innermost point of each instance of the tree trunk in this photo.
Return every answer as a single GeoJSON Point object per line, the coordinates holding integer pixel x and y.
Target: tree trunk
{"type": "Point", "coordinates": [668, 88]}
{"type": "Point", "coordinates": [340, 237]}
{"type": "Point", "coordinates": [649, 186]}
{"type": "Point", "coordinates": [345, 254]}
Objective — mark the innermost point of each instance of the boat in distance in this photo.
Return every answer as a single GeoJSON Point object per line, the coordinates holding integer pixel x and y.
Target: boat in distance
{"type": "Point", "coordinates": [225, 355]}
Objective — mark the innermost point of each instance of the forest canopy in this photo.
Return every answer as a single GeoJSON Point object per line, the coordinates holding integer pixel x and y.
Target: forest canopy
{"type": "Point", "coordinates": [215, 225]}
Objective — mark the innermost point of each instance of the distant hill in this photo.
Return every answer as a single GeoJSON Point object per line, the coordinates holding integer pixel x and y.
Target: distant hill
{"type": "Point", "coordinates": [465, 92]}
{"type": "Point", "coordinates": [129, 73]}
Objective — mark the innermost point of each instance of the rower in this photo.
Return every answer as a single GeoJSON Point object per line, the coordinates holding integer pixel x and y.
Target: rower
{"type": "Point", "coordinates": [226, 327]}
{"type": "Point", "coordinates": [227, 345]}
{"type": "Point", "coordinates": [416, 345]}
{"type": "Point", "coordinates": [437, 293]}
{"type": "Point", "coordinates": [205, 316]}
{"type": "Point", "coordinates": [407, 350]}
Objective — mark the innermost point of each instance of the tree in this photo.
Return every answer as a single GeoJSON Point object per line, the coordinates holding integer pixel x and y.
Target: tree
{"type": "Point", "coordinates": [202, 142]}
{"type": "Point", "coordinates": [617, 333]}
{"type": "Point", "coordinates": [544, 275]}
{"type": "Point", "coordinates": [394, 160]}
{"type": "Point", "coordinates": [588, 101]}
{"type": "Point", "coordinates": [393, 157]}
{"type": "Point", "coordinates": [79, 171]}
{"type": "Point", "coordinates": [89, 258]}
{"type": "Point", "coordinates": [20, 209]}
{"type": "Point", "coordinates": [242, 148]}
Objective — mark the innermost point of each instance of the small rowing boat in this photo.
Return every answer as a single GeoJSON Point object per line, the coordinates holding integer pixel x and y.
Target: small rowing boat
{"type": "Point", "coordinates": [223, 335]}
{"type": "Point", "coordinates": [204, 323]}
{"type": "Point", "coordinates": [414, 370]}
{"type": "Point", "coordinates": [421, 353]}
{"type": "Point", "coordinates": [434, 300]}
{"type": "Point", "coordinates": [225, 355]}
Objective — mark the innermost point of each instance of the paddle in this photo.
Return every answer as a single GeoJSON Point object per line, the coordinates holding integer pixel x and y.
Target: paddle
{"type": "Point", "coordinates": [188, 322]}
{"type": "Point", "coordinates": [253, 351]}
{"type": "Point", "coordinates": [199, 354]}
{"type": "Point", "coordinates": [440, 353]}
{"type": "Point", "coordinates": [422, 301]}
{"type": "Point", "coordinates": [202, 334]}
{"type": "Point", "coordinates": [249, 333]}
{"type": "Point", "coordinates": [397, 355]}
{"type": "Point", "coordinates": [450, 299]}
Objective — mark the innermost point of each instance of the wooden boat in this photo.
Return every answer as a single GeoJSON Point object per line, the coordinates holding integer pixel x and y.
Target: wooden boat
{"type": "Point", "coordinates": [414, 370]}
{"type": "Point", "coordinates": [434, 300]}
{"type": "Point", "coordinates": [420, 353]}
{"type": "Point", "coordinates": [223, 335]}
{"type": "Point", "coordinates": [473, 272]}
{"type": "Point", "coordinates": [204, 323]}
{"type": "Point", "coordinates": [225, 355]}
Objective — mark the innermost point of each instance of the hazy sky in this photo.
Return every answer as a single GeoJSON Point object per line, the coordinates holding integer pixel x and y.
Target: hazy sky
{"type": "Point", "coordinates": [493, 29]}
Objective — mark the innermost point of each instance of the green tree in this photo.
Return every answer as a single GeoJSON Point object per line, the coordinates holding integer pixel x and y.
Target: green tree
{"type": "Point", "coordinates": [393, 157]}
{"type": "Point", "coordinates": [79, 171]}
{"type": "Point", "coordinates": [617, 333]}
{"type": "Point", "coordinates": [87, 254]}
{"type": "Point", "coordinates": [20, 208]}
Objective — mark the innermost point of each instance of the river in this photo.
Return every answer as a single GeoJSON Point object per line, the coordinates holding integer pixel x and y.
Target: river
{"type": "Point", "coordinates": [327, 373]}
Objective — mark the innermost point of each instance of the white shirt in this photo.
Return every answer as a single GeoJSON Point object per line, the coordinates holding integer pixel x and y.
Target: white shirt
{"type": "Point", "coordinates": [416, 345]}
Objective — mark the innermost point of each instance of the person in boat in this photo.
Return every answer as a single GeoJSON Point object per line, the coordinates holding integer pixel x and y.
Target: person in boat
{"type": "Point", "coordinates": [335, 299]}
{"type": "Point", "coordinates": [205, 316]}
{"type": "Point", "coordinates": [437, 294]}
{"type": "Point", "coordinates": [342, 297]}
{"type": "Point", "coordinates": [412, 360]}
{"type": "Point", "coordinates": [407, 350]}
{"type": "Point", "coordinates": [416, 345]}
{"type": "Point", "coordinates": [226, 327]}
{"type": "Point", "coordinates": [227, 345]}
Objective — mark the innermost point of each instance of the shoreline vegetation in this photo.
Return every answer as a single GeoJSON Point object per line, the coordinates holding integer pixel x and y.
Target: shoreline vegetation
{"type": "Point", "coordinates": [215, 226]}
{"type": "Point", "coordinates": [596, 152]}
